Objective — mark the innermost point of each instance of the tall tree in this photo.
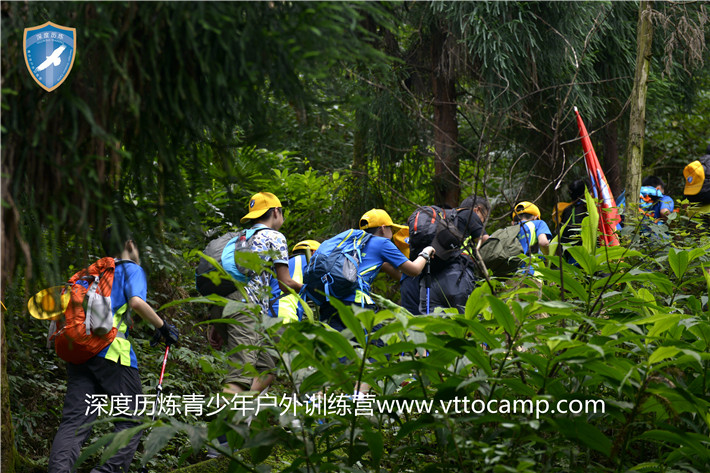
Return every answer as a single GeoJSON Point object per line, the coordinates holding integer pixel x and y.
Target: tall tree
{"type": "Point", "coordinates": [446, 127]}
{"type": "Point", "coordinates": [637, 114]}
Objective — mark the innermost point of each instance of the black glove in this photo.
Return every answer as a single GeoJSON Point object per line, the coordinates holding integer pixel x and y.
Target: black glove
{"type": "Point", "coordinates": [168, 333]}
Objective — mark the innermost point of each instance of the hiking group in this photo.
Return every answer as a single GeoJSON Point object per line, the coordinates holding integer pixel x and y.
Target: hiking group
{"type": "Point", "coordinates": [434, 257]}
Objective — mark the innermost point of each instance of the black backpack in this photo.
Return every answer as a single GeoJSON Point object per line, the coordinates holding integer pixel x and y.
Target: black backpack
{"type": "Point", "coordinates": [434, 226]}
{"type": "Point", "coordinates": [447, 230]}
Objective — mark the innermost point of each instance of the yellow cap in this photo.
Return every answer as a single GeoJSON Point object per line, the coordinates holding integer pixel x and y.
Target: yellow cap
{"type": "Point", "coordinates": [259, 204]}
{"type": "Point", "coordinates": [526, 208]}
{"type": "Point", "coordinates": [306, 245]}
{"type": "Point", "coordinates": [694, 178]}
{"type": "Point", "coordinates": [376, 218]}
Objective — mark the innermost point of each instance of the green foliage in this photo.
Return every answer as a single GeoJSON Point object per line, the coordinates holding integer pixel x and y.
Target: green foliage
{"type": "Point", "coordinates": [173, 117]}
{"type": "Point", "coordinates": [605, 364]}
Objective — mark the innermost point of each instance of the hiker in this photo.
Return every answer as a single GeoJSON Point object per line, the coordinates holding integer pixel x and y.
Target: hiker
{"type": "Point", "coordinates": [450, 282]}
{"type": "Point", "coordinates": [266, 216]}
{"type": "Point", "coordinates": [114, 370]}
{"type": "Point", "coordinates": [481, 208]}
{"type": "Point", "coordinates": [371, 247]}
{"type": "Point", "coordinates": [534, 234]}
{"type": "Point", "coordinates": [697, 184]}
{"type": "Point", "coordinates": [378, 253]}
{"type": "Point", "coordinates": [287, 307]}
{"type": "Point", "coordinates": [656, 205]}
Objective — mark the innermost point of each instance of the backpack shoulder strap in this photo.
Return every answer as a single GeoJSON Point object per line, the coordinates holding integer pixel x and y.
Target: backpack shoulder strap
{"type": "Point", "coordinates": [251, 232]}
{"type": "Point", "coordinates": [532, 232]}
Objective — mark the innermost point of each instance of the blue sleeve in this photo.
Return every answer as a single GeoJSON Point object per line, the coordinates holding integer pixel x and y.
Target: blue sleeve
{"type": "Point", "coordinates": [667, 203]}
{"type": "Point", "coordinates": [391, 254]}
{"type": "Point", "coordinates": [542, 228]}
{"type": "Point", "coordinates": [135, 284]}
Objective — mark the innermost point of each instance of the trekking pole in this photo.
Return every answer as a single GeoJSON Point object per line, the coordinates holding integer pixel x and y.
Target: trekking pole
{"type": "Point", "coordinates": [159, 390]}
{"type": "Point", "coordinates": [427, 284]}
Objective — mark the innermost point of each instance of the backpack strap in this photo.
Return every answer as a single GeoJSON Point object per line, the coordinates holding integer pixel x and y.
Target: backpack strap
{"type": "Point", "coordinates": [530, 235]}
{"type": "Point", "coordinates": [125, 311]}
{"type": "Point", "coordinates": [251, 232]}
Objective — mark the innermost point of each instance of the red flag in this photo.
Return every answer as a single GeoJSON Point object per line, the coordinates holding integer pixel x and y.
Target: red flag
{"type": "Point", "coordinates": [608, 214]}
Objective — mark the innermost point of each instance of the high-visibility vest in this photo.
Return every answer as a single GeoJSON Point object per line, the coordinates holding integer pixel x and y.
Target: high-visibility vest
{"type": "Point", "coordinates": [287, 308]}
{"type": "Point", "coordinates": [120, 349]}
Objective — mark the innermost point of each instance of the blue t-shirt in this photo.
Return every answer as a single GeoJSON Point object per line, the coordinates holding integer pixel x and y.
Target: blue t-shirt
{"type": "Point", "coordinates": [128, 281]}
{"type": "Point", "coordinates": [526, 240]}
{"type": "Point", "coordinates": [525, 237]}
{"type": "Point", "coordinates": [664, 203]}
{"type": "Point", "coordinates": [377, 250]}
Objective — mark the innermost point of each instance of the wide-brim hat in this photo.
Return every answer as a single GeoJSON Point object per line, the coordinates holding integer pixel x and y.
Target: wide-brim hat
{"type": "Point", "coordinates": [259, 204]}
{"type": "Point", "coordinates": [694, 178]}
{"type": "Point", "coordinates": [376, 218]}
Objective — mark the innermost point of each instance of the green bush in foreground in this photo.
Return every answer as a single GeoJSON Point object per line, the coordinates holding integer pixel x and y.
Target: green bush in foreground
{"type": "Point", "coordinates": [619, 342]}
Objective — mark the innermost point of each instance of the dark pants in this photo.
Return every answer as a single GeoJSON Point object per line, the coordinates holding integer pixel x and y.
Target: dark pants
{"type": "Point", "coordinates": [96, 376]}
{"type": "Point", "coordinates": [409, 294]}
{"type": "Point", "coordinates": [449, 287]}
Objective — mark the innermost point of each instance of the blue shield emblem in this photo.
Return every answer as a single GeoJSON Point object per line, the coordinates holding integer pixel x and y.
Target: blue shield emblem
{"type": "Point", "coordinates": [50, 50]}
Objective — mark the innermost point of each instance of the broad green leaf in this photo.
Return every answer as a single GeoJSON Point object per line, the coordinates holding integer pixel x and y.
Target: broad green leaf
{"type": "Point", "coordinates": [336, 340]}
{"type": "Point", "coordinates": [678, 261]}
{"type": "Point", "coordinates": [375, 441]}
{"type": "Point", "coordinates": [477, 301]}
{"type": "Point", "coordinates": [590, 225]}
{"type": "Point", "coordinates": [481, 333]}
{"type": "Point", "coordinates": [584, 258]}
{"type": "Point", "coordinates": [663, 324]}
{"type": "Point", "coordinates": [578, 428]}
{"type": "Point", "coordinates": [350, 321]}
{"type": "Point", "coordinates": [501, 312]}
{"type": "Point", "coordinates": [663, 353]}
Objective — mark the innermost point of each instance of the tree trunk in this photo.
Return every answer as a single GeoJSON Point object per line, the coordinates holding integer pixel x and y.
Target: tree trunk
{"type": "Point", "coordinates": [9, 234]}
{"type": "Point", "coordinates": [637, 117]}
{"type": "Point", "coordinates": [446, 160]}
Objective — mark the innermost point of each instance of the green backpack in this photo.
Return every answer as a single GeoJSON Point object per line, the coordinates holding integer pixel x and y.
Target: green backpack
{"type": "Point", "coordinates": [501, 252]}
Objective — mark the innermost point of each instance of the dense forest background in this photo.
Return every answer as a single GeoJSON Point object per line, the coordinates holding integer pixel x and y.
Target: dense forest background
{"type": "Point", "coordinates": [175, 113]}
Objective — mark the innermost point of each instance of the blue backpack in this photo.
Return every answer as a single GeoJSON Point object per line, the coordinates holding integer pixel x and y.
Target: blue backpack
{"type": "Point", "coordinates": [334, 269]}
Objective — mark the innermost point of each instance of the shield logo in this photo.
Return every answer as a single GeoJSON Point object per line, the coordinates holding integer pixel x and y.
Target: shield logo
{"type": "Point", "coordinates": [50, 50]}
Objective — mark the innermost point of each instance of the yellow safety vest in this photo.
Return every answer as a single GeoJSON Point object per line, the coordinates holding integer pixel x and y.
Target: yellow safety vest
{"type": "Point", "coordinates": [288, 305]}
{"type": "Point", "coordinates": [120, 349]}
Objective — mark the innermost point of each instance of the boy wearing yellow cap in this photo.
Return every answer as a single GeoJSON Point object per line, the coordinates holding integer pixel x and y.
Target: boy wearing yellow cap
{"type": "Point", "coordinates": [266, 215]}
{"type": "Point", "coordinates": [285, 305]}
{"type": "Point", "coordinates": [379, 253]}
{"type": "Point", "coordinates": [534, 238]}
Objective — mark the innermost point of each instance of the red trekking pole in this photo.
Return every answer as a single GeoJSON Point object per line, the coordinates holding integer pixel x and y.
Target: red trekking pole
{"type": "Point", "coordinates": [159, 390]}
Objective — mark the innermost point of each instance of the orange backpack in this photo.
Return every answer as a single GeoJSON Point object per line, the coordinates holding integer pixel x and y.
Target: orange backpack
{"type": "Point", "coordinates": [87, 325]}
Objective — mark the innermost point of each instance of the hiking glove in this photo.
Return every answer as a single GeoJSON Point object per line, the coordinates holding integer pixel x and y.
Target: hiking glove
{"type": "Point", "coordinates": [168, 332]}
